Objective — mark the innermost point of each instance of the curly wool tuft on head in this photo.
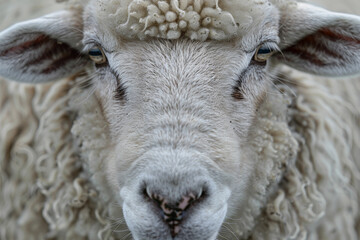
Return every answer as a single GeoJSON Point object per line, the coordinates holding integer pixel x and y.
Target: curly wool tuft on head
{"type": "Point", "coordinates": [171, 19]}
{"type": "Point", "coordinates": [199, 20]}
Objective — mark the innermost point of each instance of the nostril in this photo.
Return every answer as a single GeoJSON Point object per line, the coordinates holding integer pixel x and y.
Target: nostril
{"type": "Point", "coordinates": [202, 195]}
{"type": "Point", "coordinates": [146, 193]}
{"type": "Point", "coordinates": [152, 196]}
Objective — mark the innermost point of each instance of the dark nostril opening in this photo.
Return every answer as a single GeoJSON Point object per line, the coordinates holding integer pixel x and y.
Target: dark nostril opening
{"type": "Point", "coordinates": [152, 196]}
{"type": "Point", "coordinates": [146, 194]}
{"type": "Point", "coordinates": [202, 195]}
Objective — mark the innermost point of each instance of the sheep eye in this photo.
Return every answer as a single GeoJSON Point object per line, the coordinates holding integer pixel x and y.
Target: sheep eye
{"type": "Point", "coordinates": [263, 53]}
{"type": "Point", "coordinates": [97, 55]}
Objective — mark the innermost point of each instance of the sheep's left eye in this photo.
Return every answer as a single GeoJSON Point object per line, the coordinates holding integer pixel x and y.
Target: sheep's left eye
{"type": "Point", "coordinates": [263, 53]}
{"type": "Point", "coordinates": [97, 55]}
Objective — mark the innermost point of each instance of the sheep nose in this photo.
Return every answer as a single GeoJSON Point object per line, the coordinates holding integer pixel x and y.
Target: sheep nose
{"type": "Point", "coordinates": [173, 212]}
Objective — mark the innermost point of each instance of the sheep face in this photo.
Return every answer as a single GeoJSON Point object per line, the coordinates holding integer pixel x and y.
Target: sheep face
{"type": "Point", "coordinates": [179, 113]}
{"type": "Point", "coordinates": [182, 114]}
{"type": "Point", "coordinates": [176, 107]}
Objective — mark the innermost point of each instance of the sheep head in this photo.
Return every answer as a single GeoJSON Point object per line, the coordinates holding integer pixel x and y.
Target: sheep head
{"type": "Point", "coordinates": [180, 84]}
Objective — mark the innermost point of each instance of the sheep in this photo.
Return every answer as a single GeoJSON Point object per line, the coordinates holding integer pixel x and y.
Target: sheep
{"type": "Point", "coordinates": [169, 132]}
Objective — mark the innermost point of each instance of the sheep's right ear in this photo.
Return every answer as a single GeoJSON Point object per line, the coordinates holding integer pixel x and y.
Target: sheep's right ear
{"type": "Point", "coordinates": [318, 41]}
{"type": "Point", "coordinates": [43, 49]}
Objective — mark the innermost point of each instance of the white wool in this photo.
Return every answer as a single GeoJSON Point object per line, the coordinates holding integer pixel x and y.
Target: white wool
{"type": "Point", "coordinates": [321, 192]}
{"type": "Point", "coordinates": [171, 19]}
{"type": "Point", "coordinates": [48, 189]}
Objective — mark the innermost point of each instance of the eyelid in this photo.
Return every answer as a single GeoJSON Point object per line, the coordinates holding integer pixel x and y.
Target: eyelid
{"type": "Point", "coordinates": [271, 45]}
{"type": "Point", "coordinates": [89, 44]}
{"type": "Point", "coordinates": [268, 44]}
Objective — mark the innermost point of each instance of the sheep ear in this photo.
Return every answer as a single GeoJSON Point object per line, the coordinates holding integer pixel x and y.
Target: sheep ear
{"type": "Point", "coordinates": [319, 41]}
{"type": "Point", "coordinates": [43, 49]}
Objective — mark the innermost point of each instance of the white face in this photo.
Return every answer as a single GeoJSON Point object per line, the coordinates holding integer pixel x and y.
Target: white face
{"type": "Point", "coordinates": [181, 113]}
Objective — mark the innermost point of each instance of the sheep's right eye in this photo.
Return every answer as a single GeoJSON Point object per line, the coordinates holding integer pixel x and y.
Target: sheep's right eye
{"type": "Point", "coordinates": [263, 53]}
{"type": "Point", "coordinates": [97, 55]}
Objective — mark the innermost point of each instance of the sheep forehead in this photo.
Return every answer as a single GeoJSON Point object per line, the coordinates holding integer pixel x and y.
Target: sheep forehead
{"type": "Point", "coordinates": [172, 19]}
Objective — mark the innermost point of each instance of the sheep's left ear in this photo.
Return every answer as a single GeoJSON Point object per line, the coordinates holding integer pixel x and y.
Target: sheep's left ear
{"type": "Point", "coordinates": [43, 49]}
{"type": "Point", "coordinates": [319, 41]}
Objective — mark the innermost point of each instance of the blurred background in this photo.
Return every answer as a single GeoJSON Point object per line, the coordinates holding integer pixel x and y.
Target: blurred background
{"type": "Point", "coordinates": [18, 10]}
{"type": "Point", "coordinates": [346, 6]}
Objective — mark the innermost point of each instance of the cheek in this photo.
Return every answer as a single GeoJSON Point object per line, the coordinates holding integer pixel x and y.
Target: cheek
{"type": "Point", "coordinates": [112, 174]}
{"type": "Point", "coordinates": [247, 96]}
{"type": "Point", "coordinates": [105, 84]}
{"type": "Point", "coordinates": [125, 150]}
{"type": "Point", "coordinates": [254, 85]}
{"type": "Point", "coordinates": [259, 99]}
{"type": "Point", "coordinates": [105, 90]}
{"type": "Point", "coordinates": [113, 110]}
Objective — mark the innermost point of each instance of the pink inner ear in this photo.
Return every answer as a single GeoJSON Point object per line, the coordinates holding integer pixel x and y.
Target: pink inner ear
{"type": "Point", "coordinates": [337, 36]}
{"type": "Point", "coordinates": [315, 48]}
{"type": "Point", "coordinates": [41, 54]}
{"type": "Point", "coordinates": [25, 46]}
